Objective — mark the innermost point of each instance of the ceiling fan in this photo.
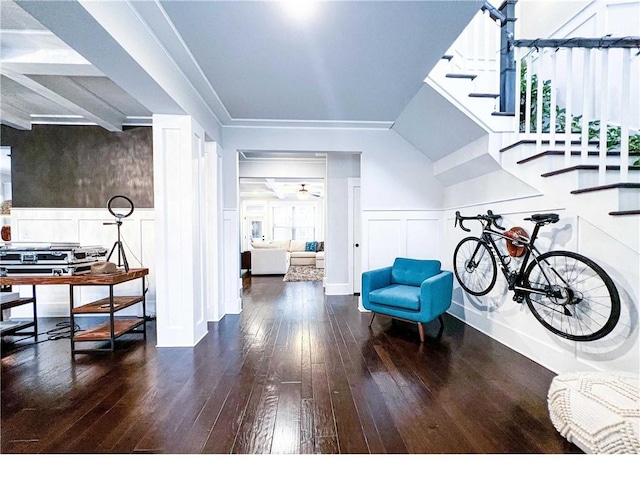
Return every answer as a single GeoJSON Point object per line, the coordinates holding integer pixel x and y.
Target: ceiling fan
{"type": "Point", "coordinates": [304, 192]}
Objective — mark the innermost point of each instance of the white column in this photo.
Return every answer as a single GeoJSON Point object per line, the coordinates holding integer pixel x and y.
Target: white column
{"type": "Point", "coordinates": [178, 159]}
{"type": "Point", "coordinates": [210, 231]}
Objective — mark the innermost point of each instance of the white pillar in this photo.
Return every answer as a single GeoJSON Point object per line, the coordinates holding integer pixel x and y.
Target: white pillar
{"type": "Point", "coordinates": [211, 231]}
{"type": "Point", "coordinates": [178, 159]}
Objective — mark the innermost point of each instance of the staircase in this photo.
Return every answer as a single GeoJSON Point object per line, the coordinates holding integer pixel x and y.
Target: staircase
{"type": "Point", "coordinates": [601, 184]}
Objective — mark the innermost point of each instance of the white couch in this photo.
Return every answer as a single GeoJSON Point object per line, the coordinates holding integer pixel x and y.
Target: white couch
{"type": "Point", "coordinates": [274, 257]}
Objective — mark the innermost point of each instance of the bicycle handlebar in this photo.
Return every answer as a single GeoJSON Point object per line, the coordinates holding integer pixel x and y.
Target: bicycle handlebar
{"type": "Point", "coordinates": [491, 218]}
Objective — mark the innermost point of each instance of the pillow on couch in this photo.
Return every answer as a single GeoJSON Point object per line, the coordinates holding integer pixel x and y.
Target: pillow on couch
{"type": "Point", "coordinates": [311, 247]}
{"type": "Point", "coordinates": [320, 247]}
{"type": "Point", "coordinates": [298, 246]}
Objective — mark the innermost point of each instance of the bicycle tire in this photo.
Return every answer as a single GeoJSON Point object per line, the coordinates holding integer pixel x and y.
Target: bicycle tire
{"type": "Point", "coordinates": [586, 303]}
{"type": "Point", "coordinates": [476, 279]}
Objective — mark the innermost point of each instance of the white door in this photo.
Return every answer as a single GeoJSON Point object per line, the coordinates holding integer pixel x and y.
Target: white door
{"type": "Point", "coordinates": [357, 238]}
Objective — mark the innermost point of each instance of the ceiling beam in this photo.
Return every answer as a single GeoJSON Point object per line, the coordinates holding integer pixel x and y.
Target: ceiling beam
{"type": "Point", "coordinates": [73, 24]}
{"type": "Point", "coordinates": [85, 99]}
{"type": "Point", "coordinates": [90, 107]}
{"type": "Point", "coordinates": [123, 43]}
{"type": "Point", "coordinates": [27, 67]}
{"type": "Point", "coordinates": [12, 117]}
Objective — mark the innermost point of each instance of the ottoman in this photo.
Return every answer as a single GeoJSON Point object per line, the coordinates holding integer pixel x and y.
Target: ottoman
{"type": "Point", "coordinates": [597, 411]}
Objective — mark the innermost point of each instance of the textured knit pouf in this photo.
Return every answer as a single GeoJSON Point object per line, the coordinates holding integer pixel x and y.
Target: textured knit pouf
{"type": "Point", "coordinates": [597, 411]}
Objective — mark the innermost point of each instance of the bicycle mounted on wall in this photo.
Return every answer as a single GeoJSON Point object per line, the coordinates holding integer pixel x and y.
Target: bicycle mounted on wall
{"type": "Point", "coordinates": [568, 293]}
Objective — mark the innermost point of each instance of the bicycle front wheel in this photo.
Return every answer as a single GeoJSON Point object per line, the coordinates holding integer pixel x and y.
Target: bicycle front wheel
{"type": "Point", "coordinates": [474, 266]}
{"type": "Point", "coordinates": [577, 300]}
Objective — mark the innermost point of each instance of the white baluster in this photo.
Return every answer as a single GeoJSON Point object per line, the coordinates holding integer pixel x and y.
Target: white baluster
{"type": "Point", "coordinates": [586, 103]}
{"type": "Point", "coordinates": [517, 54]}
{"type": "Point", "coordinates": [527, 111]}
{"type": "Point", "coordinates": [604, 115]}
{"type": "Point", "coordinates": [624, 115]}
{"type": "Point", "coordinates": [554, 101]}
{"type": "Point", "coordinates": [539, 103]}
{"type": "Point", "coordinates": [569, 109]}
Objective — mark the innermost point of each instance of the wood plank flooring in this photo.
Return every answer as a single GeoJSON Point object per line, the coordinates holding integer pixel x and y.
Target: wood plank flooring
{"type": "Point", "coordinates": [296, 373]}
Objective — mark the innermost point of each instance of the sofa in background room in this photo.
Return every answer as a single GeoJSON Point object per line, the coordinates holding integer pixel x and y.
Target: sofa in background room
{"type": "Point", "coordinates": [274, 257]}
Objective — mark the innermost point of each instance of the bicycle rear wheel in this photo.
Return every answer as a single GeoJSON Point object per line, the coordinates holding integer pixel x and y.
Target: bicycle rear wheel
{"type": "Point", "coordinates": [474, 266]}
{"type": "Point", "coordinates": [578, 300]}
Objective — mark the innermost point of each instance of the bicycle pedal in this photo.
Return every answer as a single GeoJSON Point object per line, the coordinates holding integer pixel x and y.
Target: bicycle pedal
{"type": "Point", "coordinates": [518, 298]}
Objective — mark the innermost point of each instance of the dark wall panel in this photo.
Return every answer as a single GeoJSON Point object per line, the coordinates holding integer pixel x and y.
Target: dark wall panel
{"type": "Point", "coordinates": [79, 166]}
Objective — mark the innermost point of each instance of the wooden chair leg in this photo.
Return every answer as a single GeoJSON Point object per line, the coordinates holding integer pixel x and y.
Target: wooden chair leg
{"type": "Point", "coordinates": [373, 314]}
{"type": "Point", "coordinates": [441, 327]}
{"type": "Point", "coordinates": [421, 331]}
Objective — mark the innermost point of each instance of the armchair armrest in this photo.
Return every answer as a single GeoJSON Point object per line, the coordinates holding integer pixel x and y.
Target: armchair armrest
{"type": "Point", "coordinates": [372, 280]}
{"type": "Point", "coordinates": [436, 294]}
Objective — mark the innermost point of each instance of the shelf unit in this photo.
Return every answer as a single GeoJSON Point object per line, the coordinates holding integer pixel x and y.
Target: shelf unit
{"type": "Point", "coordinates": [113, 327]}
{"type": "Point", "coordinates": [17, 327]}
{"type": "Point", "coordinates": [108, 331]}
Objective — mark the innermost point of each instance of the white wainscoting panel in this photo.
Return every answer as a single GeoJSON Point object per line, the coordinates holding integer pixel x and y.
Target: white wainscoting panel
{"type": "Point", "coordinates": [390, 234]}
{"type": "Point", "coordinates": [86, 227]}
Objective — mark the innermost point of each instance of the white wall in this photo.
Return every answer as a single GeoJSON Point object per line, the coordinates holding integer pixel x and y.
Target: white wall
{"type": "Point", "coordinates": [541, 18]}
{"type": "Point", "coordinates": [395, 176]}
{"type": "Point", "coordinates": [512, 324]}
{"type": "Point", "coordinates": [85, 226]}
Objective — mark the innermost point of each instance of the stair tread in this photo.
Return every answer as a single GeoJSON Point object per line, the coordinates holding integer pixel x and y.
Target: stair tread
{"type": "Point", "coordinates": [503, 114]}
{"type": "Point", "coordinates": [533, 142]}
{"type": "Point", "coordinates": [625, 212]}
{"type": "Point", "coordinates": [461, 75]}
{"type": "Point", "coordinates": [587, 167]}
{"type": "Point", "coordinates": [572, 153]}
{"type": "Point", "coordinates": [607, 187]}
{"type": "Point", "coordinates": [484, 95]}
{"type": "Point", "coordinates": [447, 57]}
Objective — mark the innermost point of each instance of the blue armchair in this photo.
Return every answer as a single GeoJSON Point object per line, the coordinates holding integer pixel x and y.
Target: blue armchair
{"type": "Point", "coordinates": [412, 290]}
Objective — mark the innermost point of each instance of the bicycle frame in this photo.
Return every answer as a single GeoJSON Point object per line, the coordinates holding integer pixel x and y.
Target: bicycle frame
{"type": "Point", "coordinates": [514, 279]}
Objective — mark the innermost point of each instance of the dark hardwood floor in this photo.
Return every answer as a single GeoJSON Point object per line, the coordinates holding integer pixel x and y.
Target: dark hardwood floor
{"type": "Point", "coordinates": [296, 372]}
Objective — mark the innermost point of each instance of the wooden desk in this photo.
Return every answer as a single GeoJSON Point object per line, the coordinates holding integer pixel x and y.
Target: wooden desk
{"type": "Point", "coordinates": [107, 331]}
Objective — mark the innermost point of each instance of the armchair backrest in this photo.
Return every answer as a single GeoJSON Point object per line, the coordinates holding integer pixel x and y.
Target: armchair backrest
{"type": "Point", "coordinates": [411, 271]}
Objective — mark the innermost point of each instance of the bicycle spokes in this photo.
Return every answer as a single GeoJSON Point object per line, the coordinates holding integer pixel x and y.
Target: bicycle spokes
{"type": "Point", "coordinates": [571, 296]}
{"type": "Point", "coordinates": [474, 266]}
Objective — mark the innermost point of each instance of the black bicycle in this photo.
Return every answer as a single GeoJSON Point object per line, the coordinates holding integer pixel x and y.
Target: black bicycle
{"type": "Point", "coordinates": [567, 292]}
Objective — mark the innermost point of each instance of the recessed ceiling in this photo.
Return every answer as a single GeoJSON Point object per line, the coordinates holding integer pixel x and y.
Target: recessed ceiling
{"type": "Point", "coordinates": [351, 61]}
{"type": "Point", "coordinates": [355, 64]}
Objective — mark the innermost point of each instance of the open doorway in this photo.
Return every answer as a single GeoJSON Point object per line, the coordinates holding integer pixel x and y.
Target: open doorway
{"type": "Point", "coordinates": [282, 212]}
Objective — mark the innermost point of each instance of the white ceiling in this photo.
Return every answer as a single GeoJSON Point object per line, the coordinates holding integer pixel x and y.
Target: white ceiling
{"type": "Point", "coordinates": [354, 63]}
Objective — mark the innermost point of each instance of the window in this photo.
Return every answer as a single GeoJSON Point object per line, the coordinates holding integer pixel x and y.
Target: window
{"type": "Point", "coordinates": [294, 222]}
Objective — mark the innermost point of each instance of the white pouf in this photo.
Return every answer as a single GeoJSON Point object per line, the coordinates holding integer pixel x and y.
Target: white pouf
{"type": "Point", "coordinates": [597, 411]}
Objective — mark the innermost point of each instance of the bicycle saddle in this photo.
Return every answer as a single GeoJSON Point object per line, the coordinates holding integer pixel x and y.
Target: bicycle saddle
{"type": "Point", "coordinates": [544, 218]}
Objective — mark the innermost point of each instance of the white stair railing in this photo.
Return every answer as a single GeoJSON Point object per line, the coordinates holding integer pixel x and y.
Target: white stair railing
{"type": "Point", "coordinates": [585, 96]}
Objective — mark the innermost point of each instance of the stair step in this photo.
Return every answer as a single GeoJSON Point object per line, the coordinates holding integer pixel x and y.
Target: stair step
{"type": "Point", "coordinates": [561, 152]}
{"type": "Point", "coordinates": [625, 212]}
{"type": "Point", "coordinates": [484, 95]}
{"type": "Point", "coordinates": [544, 142]}
{"type": "Point", "coordinates": [461, 75]}
{"type": "Point", "coordinates": [504, 114]}
{"type": "Point", "coordinates": [587, 168]}
{"type": "Point", "coordinates": [447, 57]}
{"type": "Point", "coordinates": [629, 185]}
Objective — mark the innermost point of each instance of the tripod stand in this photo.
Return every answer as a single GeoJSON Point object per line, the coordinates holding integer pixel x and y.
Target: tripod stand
{"type": "Point", "coordinates": [122, 258]}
